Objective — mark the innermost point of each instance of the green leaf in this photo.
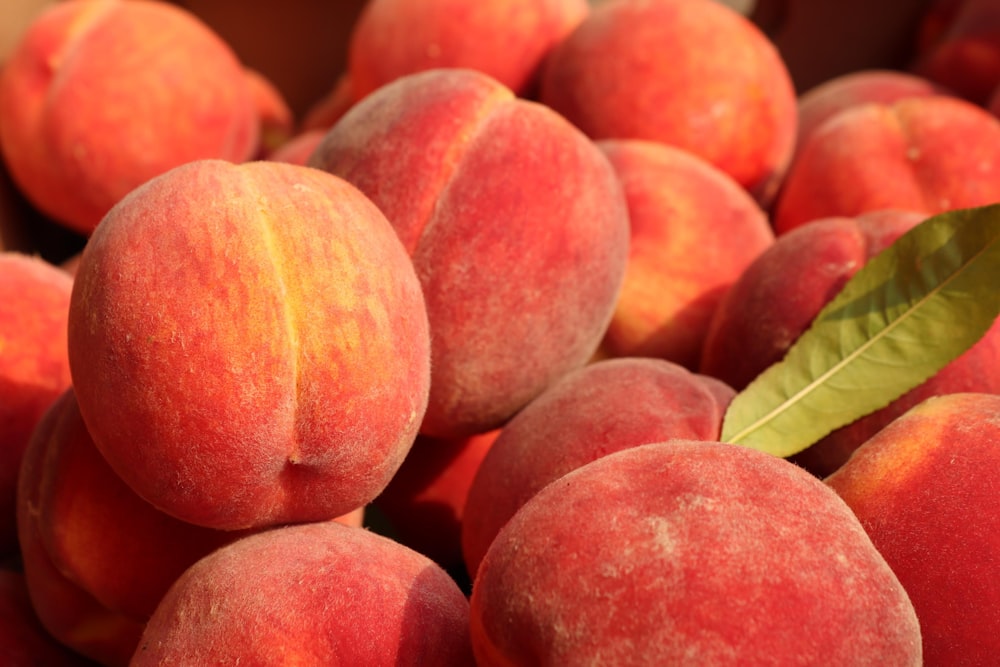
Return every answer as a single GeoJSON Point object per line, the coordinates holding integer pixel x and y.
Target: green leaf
{"type": "Point", "coordinates": [900, 319]}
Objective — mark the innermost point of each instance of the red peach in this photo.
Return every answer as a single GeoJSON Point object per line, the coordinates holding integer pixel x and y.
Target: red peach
{"type": "Point", "coordinates": [924, 488]}
{"type": "Point", "coordinates": [601, 408]}
{"type": "Point", "coordinates": [776, 299]}
{"type": "Point", "coordinates": [688, 552]}
{"type": "Point", "coordinates": [515, 222]}
{"type": "Point", "coordinates": [934, 153]}
{"type": "Point", "coordinates": [881, 86]}
{"type": "Point", "coordinates": [319, 594]}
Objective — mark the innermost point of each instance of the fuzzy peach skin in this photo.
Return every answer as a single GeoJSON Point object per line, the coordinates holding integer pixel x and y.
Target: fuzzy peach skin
{"type": "Point", "coordinates": [319, 594]}
{"type": "Point", "coordinates": [933, 153]}
{"type": "Point", "coordinates": [260, 329]}
{"type": "Point", "coordinates": [101, 95]}
{"type": "Point", "coordinates": [34, 365]}
{"type": "Point", "coordinates": [604, 407]}
{"type": "Point", "coordinates": [965, 56]}
{"type": "Point", "coordinates": [505, 39]}
{"type": "Point", "coordinates": [925, 490]}
{"type": "Point", "coordinates": [882, 86]}
{"type": "Point", "coordinates": [517, 226]}
{"type": "Point", "coordinates": [694, 231]}
{"type": "Point", "coordinates": [777, 298]}
{"type": "Point", "coordinates": [95, 530]}
{"type": "Point", "coordinates": [689, 552]}
{"type": "Point", "coordinates": [24, 641]}
{"type": "Point", "coordinates": [696, 75]}
{"type": "Point", "coordinates": [425, 501]}
{"type": "Point", "coordinates": [67, 611]}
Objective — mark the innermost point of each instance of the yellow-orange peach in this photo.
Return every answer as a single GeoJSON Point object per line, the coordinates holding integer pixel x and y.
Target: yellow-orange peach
{"type": "Point", "coordinates": [261, 330]}
{"type": "Point", "coordinates": [694, 231]}
{"type": "Point", "coordinates": [101, 95]}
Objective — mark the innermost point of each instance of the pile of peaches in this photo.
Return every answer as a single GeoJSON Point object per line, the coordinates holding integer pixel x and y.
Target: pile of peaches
{"type": "Point", "coordinates": [435, 374]}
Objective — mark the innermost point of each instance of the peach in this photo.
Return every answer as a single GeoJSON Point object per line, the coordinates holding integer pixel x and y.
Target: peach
{"type": "Point", "coordinates": [695, 75]}
{"type": "Point", "coordinates": [23, 639]}
{"type": "Point", "coordinates": [694, 231]}
{"type": "Point", "coordinates": [507, 41]}
{"type": "Point", "coordinates": [777, 298]}
{"type": "Point", "coordinates": [101, 95]}
{"type": "Point", "coordinates": [515, 221]}
{"type": "Point", "coordinates": [602, 408]}
{"type": "Point", "coordinates": [882, 86]}
{"type": "Point", "coordinates": [98, 557]}
{"type": "Point", "coordinates": [933, 153]}
{"type": "Point", "coordinates": [34, 365]}
{"type": "Point", "coordinates": [95, 530]}
{"type": "Point", "coordinates": [424, 503]}
{"type": "Point", "coordinates": [689, 552]}
{"type": "Point", "coordinates": [924, 488]}
{"type": "Point", "coordinates": [68, 612]}
{"type": "Point", "coordinates": [261, 330]}
{"type": "Point", "coordinates": [320, 594]}
{"type": "Point", "coordinates": [965, 56]}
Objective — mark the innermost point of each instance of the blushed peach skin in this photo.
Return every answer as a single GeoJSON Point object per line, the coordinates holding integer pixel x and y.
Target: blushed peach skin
{"type": "Point", "coordinates": [925, 490]}
{"type": "Point", "coordinates": [695, 75]}
{"type": "Point", "coordinates": [101, 95]}
{"type": "Point", "coordinates": [515, 222]}
{"type": "Point", "coordinates": [693, 232]}
{"type": "Point", "coordinates": [689, 552]}
{"type": "Point", "coordinates": [34, 365]}
{"type": "Point", "coordinates": [507, 41]}
{"type": "Point", "coordinates": [282, 372]}
{"type": "Point", "coordinates": [320, 594]}
{"type": "Point", "coordinates": [99, 556]}
{"type": "Point", "coordinates": [68, 612]}
{"type": "Point", "coordinates": [880, 86]}
{"type": "Point", "coordinates": [604, 407]}
{"type": "Point", "coordinates": [95, 530]}
{"type": "Point", "coordinates": [934, 153]}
